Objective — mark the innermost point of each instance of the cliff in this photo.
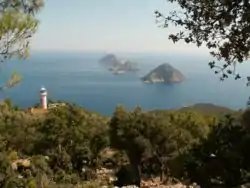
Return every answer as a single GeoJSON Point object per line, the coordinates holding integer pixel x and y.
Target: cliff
{"type": "Point", "coordinates": [164, 73]}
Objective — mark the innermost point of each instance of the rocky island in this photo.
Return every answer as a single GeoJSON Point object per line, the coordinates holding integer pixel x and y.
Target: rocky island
{"type": "Point", "coordinates": [164, 73]}
{"type": "Point", "coordinates": [118, 66]}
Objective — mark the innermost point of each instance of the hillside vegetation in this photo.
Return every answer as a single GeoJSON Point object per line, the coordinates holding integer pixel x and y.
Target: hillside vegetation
{"type": "Point", "coordinates": [208, 109]}
{"type": "Point", "coordinates": [68, 146]}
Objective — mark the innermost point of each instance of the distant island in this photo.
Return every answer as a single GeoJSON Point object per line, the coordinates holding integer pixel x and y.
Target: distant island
{"type": "Point", "coordinates": [164, 73]}
{"type": "Point", "coordinates": [117, 66]}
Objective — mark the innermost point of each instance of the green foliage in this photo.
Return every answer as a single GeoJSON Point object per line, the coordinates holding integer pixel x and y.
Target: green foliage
{"type": "Point", "coordinates": [70, 137]}
{"type": "Point", "coordinates": [18, 25]}
{"type": "Point", "coordinates": [59, 145]}
{"type": "Point", "coordinates": [221, 26]}
{"type": "Point", "coordinates": [222, 158]}
{"type": "Point", "coordinates": [64, 147]}
{"type": "Point", "coordinates": [209, 110]}
{"type": "Point", "coordinates": [10, 104]}
{"type": "Point", "coordinates": [245, 119]}
{"type": "Point", "coordinates": [151, 140]}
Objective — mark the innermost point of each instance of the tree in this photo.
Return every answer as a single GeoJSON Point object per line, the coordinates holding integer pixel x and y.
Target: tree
{"type": "Point", "coordinates": [18, 24]}
{"type": "Point", "coordinates": [151, 140]}
{"type": "Point", "coordinates": [245, 118]}
{"type": "Point", "coordinates": [222, 26]}
{"type": "Point", "coordinates": [221, 160]}
{"type": "Point", "coordinates": [187, 129]}
{"type": "Point", "coordinates": [125, 134]}
{"type": "Point", "coordinates": [72, 139]}
{"type": "Point", "coordinates": [63, 145]}
{"type": "Point", "coordinates": [168, 143]}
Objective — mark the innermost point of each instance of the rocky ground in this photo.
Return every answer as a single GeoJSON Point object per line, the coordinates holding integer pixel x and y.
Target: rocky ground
{"type": "Point", "coordinates": [163, 186]}
{"type": "Point", "coordinates": [107, 175]}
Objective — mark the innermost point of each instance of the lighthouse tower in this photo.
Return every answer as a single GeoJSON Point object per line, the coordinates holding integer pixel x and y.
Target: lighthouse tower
{"type": "Point", "coordinates": [43, 98]}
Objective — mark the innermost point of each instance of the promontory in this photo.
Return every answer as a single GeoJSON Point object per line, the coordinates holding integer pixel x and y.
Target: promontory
{"type": "Point", "coordinates": [164, 73]}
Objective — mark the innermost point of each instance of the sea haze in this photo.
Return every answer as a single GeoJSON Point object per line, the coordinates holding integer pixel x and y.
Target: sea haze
{"type": "Point", "coordinates": [78, 78]}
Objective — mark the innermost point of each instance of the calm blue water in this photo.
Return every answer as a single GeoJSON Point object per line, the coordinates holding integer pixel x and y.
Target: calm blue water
{"type": "Point", "coordinates": [78, 78]}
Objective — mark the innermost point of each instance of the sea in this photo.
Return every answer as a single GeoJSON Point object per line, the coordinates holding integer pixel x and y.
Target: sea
{"type": "Point", "coordinates": [77, 77]}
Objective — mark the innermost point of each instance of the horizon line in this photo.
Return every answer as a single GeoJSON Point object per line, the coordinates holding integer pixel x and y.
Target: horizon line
{"type": "Point", "coordinates": [119, 52]}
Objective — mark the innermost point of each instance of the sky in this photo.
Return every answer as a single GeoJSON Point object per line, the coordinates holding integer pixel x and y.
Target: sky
{"type": "Point", "coordinates": [105, 25]}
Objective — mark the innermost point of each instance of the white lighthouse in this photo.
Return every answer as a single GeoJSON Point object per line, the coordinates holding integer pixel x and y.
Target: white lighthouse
{"type": "Point", "coordinates": [43, 98]}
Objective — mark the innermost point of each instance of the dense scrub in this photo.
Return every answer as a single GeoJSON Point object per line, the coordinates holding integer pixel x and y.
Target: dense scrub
{"type": "Point", "coordinates": [68, 144]}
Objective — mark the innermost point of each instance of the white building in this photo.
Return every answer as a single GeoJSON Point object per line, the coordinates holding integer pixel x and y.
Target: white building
{"type": "Point", "coordinates": [43, 98]}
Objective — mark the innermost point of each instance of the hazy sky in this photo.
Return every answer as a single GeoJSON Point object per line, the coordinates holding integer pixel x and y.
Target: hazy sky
{"type": "Point", "coordinates": [105, 25]}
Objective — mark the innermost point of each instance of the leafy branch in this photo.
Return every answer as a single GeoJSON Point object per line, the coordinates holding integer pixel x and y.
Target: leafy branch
{"type": "Point", "coordinates": [222, 26]}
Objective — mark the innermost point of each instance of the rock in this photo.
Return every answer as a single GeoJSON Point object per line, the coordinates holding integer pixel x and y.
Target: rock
{"type": "Point", "coordinates": [20, 162]}
{"type": "Point", "coordinates": [118, 66]}
{"type": "Point", "coordinates": [109, 60]}
{"type": "Point", "coordinates": [164, 73]}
